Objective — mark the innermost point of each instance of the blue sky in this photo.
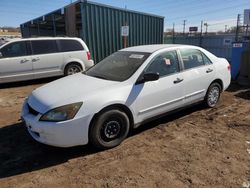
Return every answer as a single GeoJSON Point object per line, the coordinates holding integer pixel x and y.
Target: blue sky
{"type": "Point", "coordinates": [217, 13]}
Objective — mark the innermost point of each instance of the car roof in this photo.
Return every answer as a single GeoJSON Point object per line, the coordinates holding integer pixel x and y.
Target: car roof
{"type": "Point", "coordinates": [154, 47]}
{"type": "Point", "coordinates": [44, 38]}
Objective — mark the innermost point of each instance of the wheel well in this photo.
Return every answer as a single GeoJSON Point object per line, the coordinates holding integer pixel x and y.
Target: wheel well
{"type": "Point", "coordinates": [71, 63]}
{"type": "Point", "coordinates": [115, 106]}
{"type": "Point", "coordinates": [219, 81]}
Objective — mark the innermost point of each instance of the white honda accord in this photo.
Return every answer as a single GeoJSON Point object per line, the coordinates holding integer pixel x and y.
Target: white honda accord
{"type": "Point", "coordinates": [121, 92]}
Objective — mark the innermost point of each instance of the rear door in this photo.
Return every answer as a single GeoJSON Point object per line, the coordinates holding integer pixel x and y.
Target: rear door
{"type": "Point", "coordinates": [46, 59]}
{"type": "Point", "coordinates": [198, 74]}
{"type": "Point", "coordinates": [15, 63]}
{"type": "Point", "coordinates": [73, 51]}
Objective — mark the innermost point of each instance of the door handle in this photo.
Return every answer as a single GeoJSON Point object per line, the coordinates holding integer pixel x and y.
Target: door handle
{"type": "Point", "coordinates": [35, 59]}
{"type": "Point", "coordinates": [24, 60]}
{"type": "Point", "coordinates": [178, 80]}
{"type": "Point", "coordinates": [209, 70]}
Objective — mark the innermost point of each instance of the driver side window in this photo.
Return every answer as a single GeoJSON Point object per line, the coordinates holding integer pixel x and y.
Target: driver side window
{"type": "Point", "coordinates": [14, 49]}
{"type": "Point", "coordinates": [165, 64]}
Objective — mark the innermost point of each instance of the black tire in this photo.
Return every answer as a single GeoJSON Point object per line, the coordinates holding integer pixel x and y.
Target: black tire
{"type": "Point", "coordinates": [213, 95]}
{"type": "Point", "coordinates": [72, 68]}
{"type": "Point", "coordinates": [109, 129]}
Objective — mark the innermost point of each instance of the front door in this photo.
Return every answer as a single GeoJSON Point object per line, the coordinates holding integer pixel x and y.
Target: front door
{"type": "Point", "coordinates": [167, 93]}
{"type": "Point", "coordinates": [15, 62]}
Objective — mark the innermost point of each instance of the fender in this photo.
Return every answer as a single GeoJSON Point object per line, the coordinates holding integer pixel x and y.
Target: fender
{"type": "Point", "coordinates": [73, 60]}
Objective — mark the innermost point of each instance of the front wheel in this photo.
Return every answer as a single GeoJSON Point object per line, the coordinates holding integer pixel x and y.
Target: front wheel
{"type": "Point", "coordinates": [109, 129]}
{"type": "Point", "coordinates": [213, 95]}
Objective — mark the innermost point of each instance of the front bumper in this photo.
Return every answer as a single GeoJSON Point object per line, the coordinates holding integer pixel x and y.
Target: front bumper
{"type": "Point", "coordinates": [61, 134]}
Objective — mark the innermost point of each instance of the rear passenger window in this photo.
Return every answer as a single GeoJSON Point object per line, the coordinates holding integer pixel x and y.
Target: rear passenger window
{"type": "Point", "coordinates": [44, 46]}
{"type": "Point", "coordinates": [191, 58]}
{"type": "Point", "coordinates": [70, 45]}
{"type": "Point", "coordinates": [206, 60]}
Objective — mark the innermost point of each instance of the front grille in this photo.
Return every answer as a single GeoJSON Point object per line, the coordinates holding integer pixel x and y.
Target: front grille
{"type": "Point", "coordinates": [32, 111]}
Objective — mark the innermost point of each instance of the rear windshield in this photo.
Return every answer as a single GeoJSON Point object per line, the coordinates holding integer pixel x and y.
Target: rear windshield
{"type": "Point", "coordinates": [119, 66]}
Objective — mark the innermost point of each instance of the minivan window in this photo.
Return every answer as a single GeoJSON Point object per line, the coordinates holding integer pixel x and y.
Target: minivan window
{"type": "Point", "coordinates": [191, 58]}
{"type": "Point", "coordinates": [43, 46]}
{"type": "Point", "coordinates": [70, 45]}
{"type": "Point", "coordinates": [14, 49]}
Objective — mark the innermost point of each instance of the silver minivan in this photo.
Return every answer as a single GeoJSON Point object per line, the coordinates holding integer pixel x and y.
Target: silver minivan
{"type": "Point", "coordinates": [32, 58]}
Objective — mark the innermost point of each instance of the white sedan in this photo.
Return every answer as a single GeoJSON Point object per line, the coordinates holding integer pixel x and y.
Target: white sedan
{"type": "Point", "coordinates": [123, 91]}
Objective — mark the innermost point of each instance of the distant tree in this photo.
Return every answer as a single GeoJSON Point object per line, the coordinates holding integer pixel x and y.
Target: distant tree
{"type": "Point", "coordinates": [233, 29]}
{"type": "Point", "coordinates": [11, 29]}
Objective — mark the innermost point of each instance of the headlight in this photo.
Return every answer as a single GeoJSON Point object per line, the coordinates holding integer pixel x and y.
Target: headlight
{"type": "Point", "coordinates": [62, 113]}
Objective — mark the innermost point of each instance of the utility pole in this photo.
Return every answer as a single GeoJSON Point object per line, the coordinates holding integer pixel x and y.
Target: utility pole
{"type": "Point", "coordinates": [247, 30]}
{"type": "Point", "coordinates": [201, 34]}
{"type": "Point", "coordinates": [184, 25]}
{"type": "Point", "coordinates": [206, 25]}
{"type": "Point", "coordinates": [237, 28]}
{"type": "Point", "coordinates": [173, 33]}
{"type": "Point", "coordinates": [225, 28]}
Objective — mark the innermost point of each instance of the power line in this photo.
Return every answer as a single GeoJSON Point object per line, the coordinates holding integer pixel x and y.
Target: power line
{"type": "Point", "coordinates": [207, 12]}
{"type": "Point", "coordinates": [222, 22]}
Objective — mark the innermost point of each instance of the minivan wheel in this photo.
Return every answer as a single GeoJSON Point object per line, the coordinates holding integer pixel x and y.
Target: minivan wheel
{"type": "Point", "coordinates": [213, 95]}
{"type": "Point", "coordinates": [72, 69]}
{"type": "Point", "coordinates": [109, 129]}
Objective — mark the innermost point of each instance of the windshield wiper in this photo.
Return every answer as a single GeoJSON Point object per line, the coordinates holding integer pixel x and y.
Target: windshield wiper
{"type": "Point", "coordinates": [96, 76]}
{"type": "Point", "coordinates": [101, 77]}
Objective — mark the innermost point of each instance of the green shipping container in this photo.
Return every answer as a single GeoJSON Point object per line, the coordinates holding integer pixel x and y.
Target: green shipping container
{"type": "Point", "coordinates": [100, 26]}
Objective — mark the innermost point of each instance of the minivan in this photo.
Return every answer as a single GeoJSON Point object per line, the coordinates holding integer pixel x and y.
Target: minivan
{"type": "Point", "coordinates": [33, 58]}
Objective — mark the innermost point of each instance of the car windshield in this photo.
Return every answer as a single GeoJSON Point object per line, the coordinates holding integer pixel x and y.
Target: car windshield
{"type": "Point", "coordinates": [119, 66]}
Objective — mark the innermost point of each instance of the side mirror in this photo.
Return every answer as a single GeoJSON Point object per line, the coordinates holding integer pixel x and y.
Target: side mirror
{"type": "Point", "coordinates": [148, 77]}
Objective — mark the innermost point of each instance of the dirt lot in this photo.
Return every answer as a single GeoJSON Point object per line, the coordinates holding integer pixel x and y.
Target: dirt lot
{"type": "Point", "coordinates": [196, 147]}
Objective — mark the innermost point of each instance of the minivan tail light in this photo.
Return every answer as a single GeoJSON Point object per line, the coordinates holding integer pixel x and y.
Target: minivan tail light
{"type": "Point", "coordinates": [229, 67]}
{"type": "Point", "coordinates": [89, 55]}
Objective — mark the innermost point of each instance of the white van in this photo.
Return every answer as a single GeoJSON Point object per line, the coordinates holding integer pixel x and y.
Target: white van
{"type": "Point", "coordinates": [32, 58]}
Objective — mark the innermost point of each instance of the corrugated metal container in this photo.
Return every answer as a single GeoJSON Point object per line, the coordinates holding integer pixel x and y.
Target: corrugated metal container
{"type": "Point", "coordinates": [99, 26]}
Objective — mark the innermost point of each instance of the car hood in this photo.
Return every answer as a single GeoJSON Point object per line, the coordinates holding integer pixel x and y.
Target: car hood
{"type": "Point", "coordinates": [66, 90]}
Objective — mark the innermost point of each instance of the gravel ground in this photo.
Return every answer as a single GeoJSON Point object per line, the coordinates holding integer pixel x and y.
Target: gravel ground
{"type": "Point", "coordinates": [196, 147]}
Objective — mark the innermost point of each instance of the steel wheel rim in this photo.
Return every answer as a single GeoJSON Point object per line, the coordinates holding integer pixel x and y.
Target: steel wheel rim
{"type": "Point", "coordinates": [112, 129]}
{"type": "Point", "coordinates": [73, 70]}
{"type": "Point", "coordinates": [213, 96]}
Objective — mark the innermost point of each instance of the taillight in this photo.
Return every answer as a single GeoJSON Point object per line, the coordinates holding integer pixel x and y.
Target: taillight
{"type": "Point", "coordinates": [89, 55]}
{"type": "Point", "coordinates": [229, 67]}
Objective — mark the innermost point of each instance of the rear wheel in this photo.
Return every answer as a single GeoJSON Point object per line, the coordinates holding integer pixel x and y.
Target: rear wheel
{"type": "Point", "coordinates": [109, 129]}
{"type": "Point", "coordinates": [72, 68]}
{"type": "Point", "coordinates": [213, 95]}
